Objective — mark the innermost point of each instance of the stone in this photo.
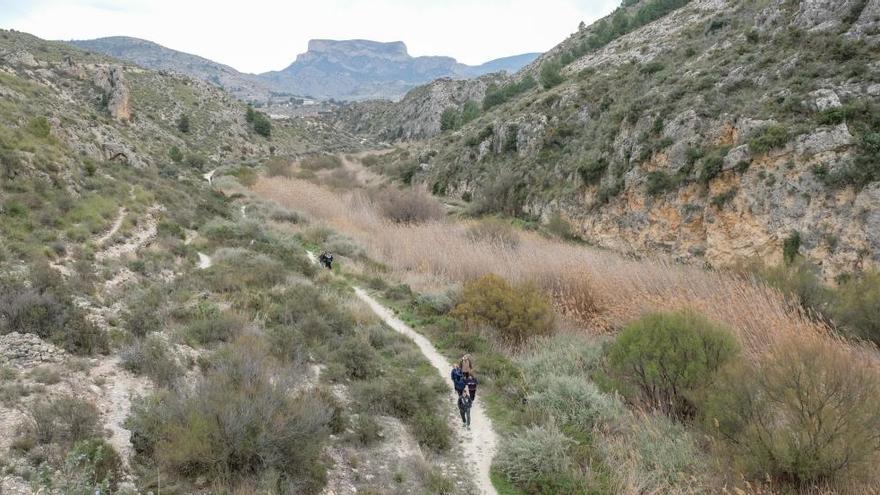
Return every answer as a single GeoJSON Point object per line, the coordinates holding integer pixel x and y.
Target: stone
{"type": "Point", "coordinates": [111, 79]}
{"type": "Point", "coordinates": [825, 99]}
{"type": "Point", "coordinates": [824, 139]}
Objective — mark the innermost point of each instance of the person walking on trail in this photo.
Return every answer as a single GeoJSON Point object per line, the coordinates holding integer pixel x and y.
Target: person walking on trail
{"type": "Point", "coordinates": [471, 383]}
{"type": "Point", "coordinates": [458, 380]}
{"type": "Point", "coordinates": [326, 259]}
{"type": "Point", "coordinates": [464, 408]}
{"type": "Point", "coordinates": [466, 364]}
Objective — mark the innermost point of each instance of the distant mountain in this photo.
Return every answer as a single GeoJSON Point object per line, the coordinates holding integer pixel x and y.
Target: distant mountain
{"type": "Point", "coordinates": [343, 70]}
{"type": "Point", "coordinates": [157, 57]}
{"type": "Point", "coordinates": [361, 69]}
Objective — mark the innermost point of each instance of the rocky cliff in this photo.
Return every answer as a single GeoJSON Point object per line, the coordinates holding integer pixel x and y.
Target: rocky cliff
{"type": "Point", "coordinates": [361, 69]}
{"type": "Point", "coordinates": [671, 127]}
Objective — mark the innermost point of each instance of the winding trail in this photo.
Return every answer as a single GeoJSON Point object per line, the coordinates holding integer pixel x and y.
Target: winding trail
{"type": "Point", "coordinates": [480, 441]}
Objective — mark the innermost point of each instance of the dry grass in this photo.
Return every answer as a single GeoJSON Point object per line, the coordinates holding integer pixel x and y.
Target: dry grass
{"type": "Point", "coordinates": [598, 288]}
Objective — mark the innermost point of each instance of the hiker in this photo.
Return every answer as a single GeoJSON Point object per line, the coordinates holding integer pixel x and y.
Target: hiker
{"type": "Point", "coordinates": [464, 408]}
{"type": "Point", "coordinates": [457, 380]}
{"type": "Point", "coordinates": [471, 383]}
{"type": "Point", "coordinates": [466, 364]}
{"type": "Point", "coordinates": [326, 259]}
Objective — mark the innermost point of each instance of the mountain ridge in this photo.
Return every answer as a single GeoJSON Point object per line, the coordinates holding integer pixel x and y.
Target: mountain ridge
{"type": "Point", "coordinates": [329, 69]}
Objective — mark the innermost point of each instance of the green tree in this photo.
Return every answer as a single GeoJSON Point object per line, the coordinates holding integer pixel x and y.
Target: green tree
{"type": "Point", "coordinates": [449, 119]}
{"type": "Point", "coordinates": [469, 111]}
{"type": "Point", "coordinates": [249, 114]}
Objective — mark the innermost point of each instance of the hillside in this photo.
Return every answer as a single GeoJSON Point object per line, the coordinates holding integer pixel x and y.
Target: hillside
{"type": "Point", "coordinates": [669, 128]}
{"type": "Point", "coordinates": [160, 329]}
{"type": "Point", "coordinates": [361, 70]}
{"type": "Point", "coordinates": [149, 55]}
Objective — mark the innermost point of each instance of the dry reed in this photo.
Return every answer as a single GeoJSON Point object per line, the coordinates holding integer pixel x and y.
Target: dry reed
{"type": "Point", "coordinates": [599, 288]}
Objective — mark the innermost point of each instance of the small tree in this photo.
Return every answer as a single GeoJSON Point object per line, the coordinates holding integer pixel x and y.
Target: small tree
{"type": "Point", "coordinates": [662, 359]}
{"type": "Point", "coordinates": [262, 125]}
{"type": "Point", "coordinates": [550, 74]}
{"type": "Point", "coordinates": [449, 119]}
{"type": "Point", "coordinates": [790, 247]}
{"type": "Point", "coordinates": [249, 114]}
{"type": "Point", "coordinates": [516, 313]}
{"type": "Point", "coordinates": [183, 124]}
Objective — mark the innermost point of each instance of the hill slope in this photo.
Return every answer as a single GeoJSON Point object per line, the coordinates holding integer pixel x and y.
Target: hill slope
{"type": "Point", "coordinates": [151, 55]}
{"type": "Point", "coordinates": [667, 127]}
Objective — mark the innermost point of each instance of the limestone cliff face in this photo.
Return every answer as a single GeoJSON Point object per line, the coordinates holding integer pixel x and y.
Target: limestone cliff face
{"type": "Point", "coordinates": [709, 134]}
{"type": "Point", "coordinates": [111, 80]}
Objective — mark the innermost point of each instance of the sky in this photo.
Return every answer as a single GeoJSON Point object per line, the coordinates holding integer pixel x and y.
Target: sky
{"type": "Point", "coordinates": [262, 35]}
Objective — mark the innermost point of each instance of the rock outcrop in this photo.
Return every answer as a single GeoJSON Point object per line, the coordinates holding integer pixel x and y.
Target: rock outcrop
{"type": "Point", "coordinates": [111, 80]}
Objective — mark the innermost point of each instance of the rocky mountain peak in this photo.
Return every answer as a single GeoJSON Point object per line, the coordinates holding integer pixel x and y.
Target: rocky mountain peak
{"type": "Point", "coordinates": [395, 50]}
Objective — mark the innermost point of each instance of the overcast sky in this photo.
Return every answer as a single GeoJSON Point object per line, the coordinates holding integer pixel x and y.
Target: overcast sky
{"type": "Point", "coordinates": [263, 35]}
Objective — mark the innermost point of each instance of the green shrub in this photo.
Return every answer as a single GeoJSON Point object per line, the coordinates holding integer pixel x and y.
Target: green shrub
{"type": "Point", "coordinates": [175, 154]}
{"type": "Point", "coordinates": [800, 279]}
{"type": "Point", "coordinates": [50, 313]}
{"type": "Point", "coordinates": [239, 420]}
{"type": "Point", "coordinates": [221, 328]}
{"type": "Point", "coordinates": [497, 95]}
{"type": "Point", "coordinates": [857, 306]}
{"type": "Point", "coordinates": [806, 414]}
{"type": "Point", "coordinates": [504, 193]}
{"type": "Point", "coordinates": [592, 171]}
{"type": "Point", "coordinates": [39, 127]}
{"type": "Point", "coordinates": [564, 355]}
{"type": "Point", "coordinates": [183, 124]}
{"type": "Point", "coordinates": [359, 359]}
{"type": "Point", "coordinates": [575, 401]}
{"type": "Point", "coordinates": [91, 465]}
{"type": "Point", "coordinates": [262, 124]}
{"type": "Point", "coordinates": [366, 430]}
{"type": "Point", "coordinates": [768, 138]}
{"type": "Point", "coordinates": [659, 183]}
{"type": "Point", "coordinates": [537, 460]}
{"type": "Point", "coordinates": [663, 359]}
{"type": "Point", "coordinates": [551, 74]}
{"type": "Point", "coordinates": [560, 227]}
{"type": "Point", "coordinates": [63, 420]}
{"type": "Point", "coordinates": [432, 430]}
{"type": "Point", "coordinates": [151, 356]}
{"type": "Point", "coordinates": [791, 246]}
{"type": "Point", "coordinates": [516, 313]}
{"type": "Point", "coordinates": [449, 119]}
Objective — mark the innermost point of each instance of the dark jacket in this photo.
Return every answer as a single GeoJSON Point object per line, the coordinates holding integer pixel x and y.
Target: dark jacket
{"type": "Point", "coordinates": [456, 375]}
{"type": "Point", "coordinates": [459, 384]}
{"type": "Point", "coordinates": [464, 402]}
{"type": "Point", "coordinates": [471, 382]}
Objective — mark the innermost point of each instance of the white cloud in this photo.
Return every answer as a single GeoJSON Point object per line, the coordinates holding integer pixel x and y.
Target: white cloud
{"type": "Point", "coordinates": [261, 35]}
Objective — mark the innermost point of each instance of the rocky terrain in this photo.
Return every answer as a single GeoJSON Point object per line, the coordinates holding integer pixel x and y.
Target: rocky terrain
{"type": "Point", "coordinates": [667, 127]}
{"type": "Point", "coordinates": [361, 69]}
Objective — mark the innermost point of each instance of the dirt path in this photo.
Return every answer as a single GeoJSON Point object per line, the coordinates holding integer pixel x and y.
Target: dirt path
{"type": "Point", "coordinates": [480, 441]}
{"type": "Point", "coordinates": [205, 261]}
{"type": "Point", "coordinates": [117, 224]}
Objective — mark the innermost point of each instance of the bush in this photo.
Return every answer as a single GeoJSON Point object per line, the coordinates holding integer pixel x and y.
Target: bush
{"type": "Point", "coordinates": [575, 401]}
{"type": "Point", "coordinates": [592, 171]}
{"type": "Point", "coordinates": [262, 124]}
{"type": "Point", "coordinates": [221, 328]}
{"type": "Point", "coordinates": [321, 162]}
{"type": "Point", "coordinates": [791, 246]}
{"type": "Point", "coordinates": [63, 420]}
{"type": "Point", "coordinates": [550, 74]}
{"type": "Point", "coordinates": [50, 313]}
{"type": "Point", "coordinates": [806, 414]}
{"type": "Point", "coordinates": [277, 167]}
{"type": "Point", "coordinates": [366, 430]}
{"type": "Point", "coordinates": [450, 119]}
{"type": "Point", "coordinates": [39, 127]}
{"type": "Point", "coordinates": [151, 356]}
{"type": "Point", "coordinates": [90, 464]}
{"type": "Point", "coordinates": [432, 430]}
{"type": "Point", "coordinates": [359, 359]}
{"type": "Point", "coordinates": [175, 154]}
{"type": "Point", "coordinates": [504, 193]}
{"type": "Point", "coordinates": [515, 313]}
{"type": "Point", "coordinates": [497, 95]}
{"type": "Point", "coordinates": [857, 306]}
{"type": "Point", "coordinates": [238, 420]}
{"type": "Point", "coordinates": [408, 206]}
{"type": "Point", "coordinates": [663, 359]}
{"type": "Point", "coordinates": [536, 459]}
{"type": "Point", "coordinates": [768, 138]}
{"type": "Point", "coordinates": [801, 280]}
{"type": "Point", "coordinates": [183, 124]}
{"type": "Point", "coordinates": [659, 183]}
